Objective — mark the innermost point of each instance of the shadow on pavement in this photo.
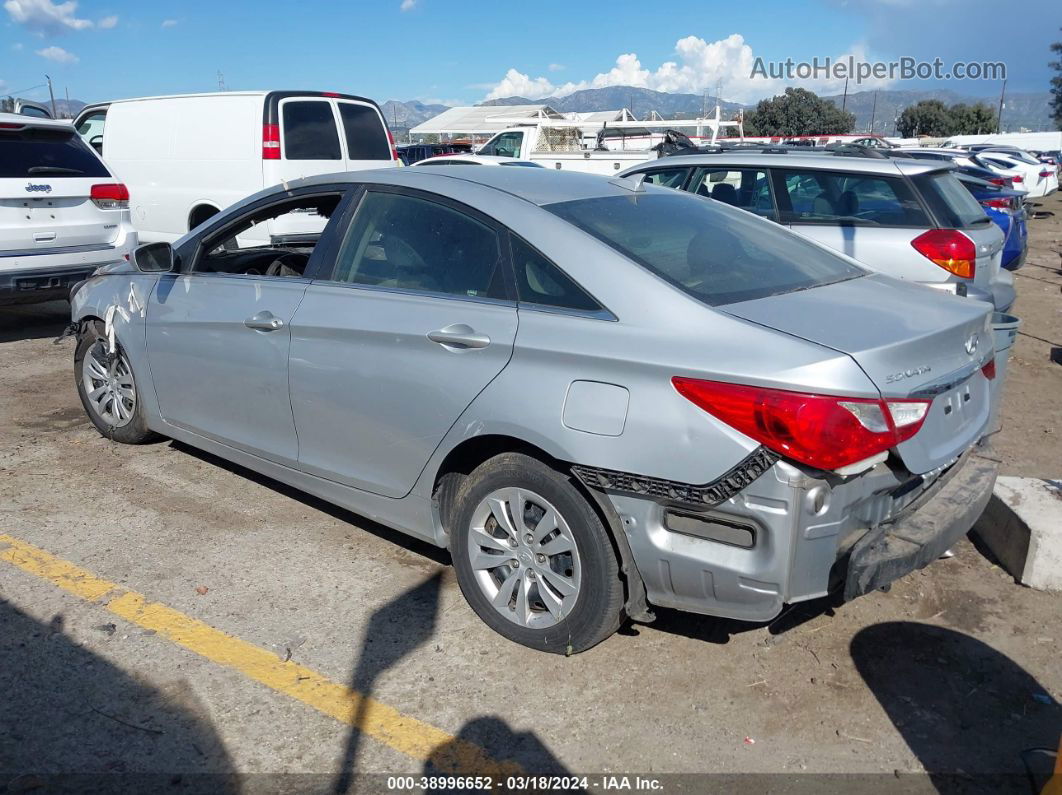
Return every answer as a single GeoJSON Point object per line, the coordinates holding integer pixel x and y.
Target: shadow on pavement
{"type": "Point", "coordinates": [33, 321]}
{"type": "Point", "coordinates": [394, 631]}
{"type": "Point", "coordinates": [72, 721]}
{"type": "Point", "coordinates": [423, 548]}
{"type": "Point", "coordinates": [969, 713]}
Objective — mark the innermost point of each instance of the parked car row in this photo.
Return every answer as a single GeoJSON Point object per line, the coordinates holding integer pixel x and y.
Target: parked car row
{"type": "Point", "coordinates": [717, 382]}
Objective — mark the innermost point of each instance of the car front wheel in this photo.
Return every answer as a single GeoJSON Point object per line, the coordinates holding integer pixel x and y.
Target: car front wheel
{"type": "Point", "coordinates": [533, 558]}
{"type": "Point", "coordinates": [108, 389]}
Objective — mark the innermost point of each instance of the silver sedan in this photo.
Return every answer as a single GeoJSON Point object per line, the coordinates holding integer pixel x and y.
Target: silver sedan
{"type": "Point", "coordinates": [601, 396]}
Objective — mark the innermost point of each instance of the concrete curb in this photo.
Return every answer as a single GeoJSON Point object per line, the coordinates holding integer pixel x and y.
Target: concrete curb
{"type": "Point", "coordinates": [1022, 526]}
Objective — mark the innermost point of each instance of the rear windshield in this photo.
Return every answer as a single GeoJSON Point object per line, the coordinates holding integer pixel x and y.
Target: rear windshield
{"type": "Point", "coordinates": [366, 136]}
{"type": "Point", "coordinates": [717, 254]}
{"type": "Point", "coordinates": [950, 202]}
{"type": "Point", "coordinates": [35, 153]}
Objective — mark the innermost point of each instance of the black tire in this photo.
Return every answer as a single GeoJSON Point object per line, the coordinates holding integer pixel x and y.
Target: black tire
{"type": "Point", "coordinates": [597, 611]}
{"type": "Point", "coordinates": [133, 432]}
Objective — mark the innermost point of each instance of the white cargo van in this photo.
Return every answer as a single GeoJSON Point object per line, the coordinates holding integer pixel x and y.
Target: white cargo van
{"type": "Point", "coordinates": [190, 156]}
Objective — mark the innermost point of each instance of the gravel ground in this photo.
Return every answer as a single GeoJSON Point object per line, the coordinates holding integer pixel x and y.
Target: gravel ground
{"type": "Point", "coordinates": [955, 670]}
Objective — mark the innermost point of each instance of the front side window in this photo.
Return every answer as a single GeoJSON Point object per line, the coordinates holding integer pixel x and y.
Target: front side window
{"type": "Point", "coordinates": [310, 131]}
{"type": "Point", "coordinates": [365, 132]}
{"type": "Point", "coordinates": [708, 250]}
{"type": "Point", "coordinates": [504, 145]}
{"type": "Point", "coordinates": [846, 198]}
{"type": "Point", "coordinates": [747, 188]}
{"type": "Point", "coordinates": [409, 243]}
{"type": "Point", "coordinates": [667, 177]}
{"type": "Point", "coordinates": [276, 240]}
{"type": "Point", "coordinates": [539, 281]}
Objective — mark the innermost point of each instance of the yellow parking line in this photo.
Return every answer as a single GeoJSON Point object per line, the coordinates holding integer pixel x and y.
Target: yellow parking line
{"type": "Point", "coordinates": [399, 731]}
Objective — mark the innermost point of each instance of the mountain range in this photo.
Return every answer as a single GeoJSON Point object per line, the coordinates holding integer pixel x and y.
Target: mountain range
{"type": "Point", "coordinates": [1022, 110]}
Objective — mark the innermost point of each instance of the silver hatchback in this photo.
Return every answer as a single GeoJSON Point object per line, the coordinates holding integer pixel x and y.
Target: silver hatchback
{"type": "Point", "coordinates": [600, 396]}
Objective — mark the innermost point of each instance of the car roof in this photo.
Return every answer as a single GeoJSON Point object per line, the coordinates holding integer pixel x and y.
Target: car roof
{"type": "Point", "coordinates": [795, 159]}
{"type": "Point", "coordinates": [35, 121]}
{"type": "Point", "coordinates": [540, 186]}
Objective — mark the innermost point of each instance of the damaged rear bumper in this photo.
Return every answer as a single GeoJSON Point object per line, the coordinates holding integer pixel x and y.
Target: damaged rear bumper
{"type": "Point", "coordinates": [923, 532]}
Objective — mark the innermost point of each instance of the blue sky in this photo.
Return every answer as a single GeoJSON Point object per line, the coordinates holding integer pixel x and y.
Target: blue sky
{"type": "Point", "coordinates": [460, 52]}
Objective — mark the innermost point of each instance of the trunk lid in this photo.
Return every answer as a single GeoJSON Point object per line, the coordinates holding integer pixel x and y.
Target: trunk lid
{"type": "Point", "coordinates": [911, 341]}
{"type": "Point", "coordinates": [46, 177]}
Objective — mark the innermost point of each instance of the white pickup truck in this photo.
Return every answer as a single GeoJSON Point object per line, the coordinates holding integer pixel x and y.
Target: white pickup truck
{"type": "Point", "coordinates": [595, 147]}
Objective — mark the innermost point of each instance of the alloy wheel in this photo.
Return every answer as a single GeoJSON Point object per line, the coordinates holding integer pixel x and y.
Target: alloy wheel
{"type": "Point", "coordinates": [109, 386]}
{"type": "Point", "coordinates": [524, 557]}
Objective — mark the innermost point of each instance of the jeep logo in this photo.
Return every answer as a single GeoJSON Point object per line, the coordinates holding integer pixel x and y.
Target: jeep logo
{"type": "Point", "coordinates": [900, 376]}
{"type": "Point", "coordinates": [31, 188]}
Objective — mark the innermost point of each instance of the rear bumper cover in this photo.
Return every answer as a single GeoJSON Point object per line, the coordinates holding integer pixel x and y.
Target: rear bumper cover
{"type": "Point", "coordinates": [921, 535]}
{"type": "Point", "coordinates": [40, 284]}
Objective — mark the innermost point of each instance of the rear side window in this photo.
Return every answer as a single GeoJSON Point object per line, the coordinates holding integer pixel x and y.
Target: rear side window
{"type": "Point", "coordinates": [409, 243]}
{"type": "Point", "coordinates": [365, 133]}
{"type": "Point", "coordinates": [708, 250]}
{"type": "Point", "coordinates": [844, 198]}
{"type": "Point", "coordinates": [747, 188]}
{"type": "Point", "coordinates": [539, 281]}
{"type": "Point", "coordinates": [310, 131]}
{"type": "Point", "coordinates": [39, 153]}
{"type": "Point", "coordinates": [950, 202]}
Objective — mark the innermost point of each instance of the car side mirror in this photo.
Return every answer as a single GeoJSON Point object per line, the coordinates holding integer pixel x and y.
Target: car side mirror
{"type": "Point", "coordinates": [154, 258]}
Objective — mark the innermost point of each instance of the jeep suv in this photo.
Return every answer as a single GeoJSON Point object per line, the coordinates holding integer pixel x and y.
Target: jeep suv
{"type": "Point", "coordinates": [905, 218]}
{"type": "Point", "coordinates": [62, 214]}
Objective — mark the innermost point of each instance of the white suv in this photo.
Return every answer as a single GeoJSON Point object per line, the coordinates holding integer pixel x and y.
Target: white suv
{"type": "Point", "coordinates": [62, 214]}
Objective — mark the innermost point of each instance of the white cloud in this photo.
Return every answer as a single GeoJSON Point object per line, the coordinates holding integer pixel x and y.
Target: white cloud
{"type": "Point", "coordinates": [701, 66]}
{"type": "Point", "coordinates": [169, 23]}
{"type": "Point", "coordinates": [557, 67]}
{"type": "Point", "coordinates": [17, 46]}
{"type": "Point", "coordinates": [107, 23]}
{"type": "Point", "coordinates": [44, 16]}
{"type": "Point", "coordinates": [407, 5]}
{"type": "Point", "coordinates": [57, 54]}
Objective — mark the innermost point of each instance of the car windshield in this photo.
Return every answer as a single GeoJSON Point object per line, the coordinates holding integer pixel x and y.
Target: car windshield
{"type": "Point", "coordinates": [717, 254]}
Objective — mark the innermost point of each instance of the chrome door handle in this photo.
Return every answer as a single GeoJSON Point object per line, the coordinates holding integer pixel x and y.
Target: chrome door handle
{"type": "Point", "coordinates": [264, 321]}
{"type": "Point", "coordinates": [459, 335]}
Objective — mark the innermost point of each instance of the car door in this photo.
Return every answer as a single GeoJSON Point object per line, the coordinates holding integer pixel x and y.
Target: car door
{"type": "Point", "coordinates": [387, 351]}
{"type": "Point", "coordinates": [218, 333]}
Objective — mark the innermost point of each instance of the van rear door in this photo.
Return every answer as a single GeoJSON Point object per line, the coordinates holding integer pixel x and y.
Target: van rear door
{"type": "Point", "coordinates": [366, 140]}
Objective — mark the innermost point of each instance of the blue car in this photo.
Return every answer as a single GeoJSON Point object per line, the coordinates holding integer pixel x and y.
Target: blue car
{"type": "Point", "coordinates": [1007, 209]}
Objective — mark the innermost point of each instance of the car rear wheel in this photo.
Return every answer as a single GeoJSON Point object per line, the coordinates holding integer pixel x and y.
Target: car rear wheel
{"type": "Point", "coordinates": [533, 558]}
{"type": "Point", "coordinates": [108, 389]}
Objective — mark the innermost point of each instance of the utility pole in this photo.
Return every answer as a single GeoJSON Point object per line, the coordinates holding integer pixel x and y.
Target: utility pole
{"type": "Point", "coordinates": [221, 81]}
{"type": "Point", "coordinates": [999, 116]}
{"type": "Point", "coordinates": [844, 99]}
{"type": "Point", "coordinates": [50, 94]}
{"type": "Point", "coordinates": [68, 113]}
{"type": "Point", "coordinates": [874, 111]}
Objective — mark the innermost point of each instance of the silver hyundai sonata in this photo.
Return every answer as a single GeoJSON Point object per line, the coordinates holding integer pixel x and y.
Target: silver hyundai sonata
{"type": "Point", "coordinates": [600, 396]}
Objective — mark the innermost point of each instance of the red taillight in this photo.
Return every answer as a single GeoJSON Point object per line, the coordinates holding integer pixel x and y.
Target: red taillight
{"type": "Point", "coordinates": [330, 93]}
{"type": "Point", "coordinates": [989, 369]}
{"type": "Point", "coordinates": [1017, 178]}
{"type": "Point", "coordinates": [948, 248]}
{"type": "Point", "coordinates": [271, 142]}
{"type": "Point", "coordinates": [113, 196]}
{"type": "Point", "coordinates": [999, 204]}
{"type": "Point", "coordinates": [997, 181]}
{"type": "Point", "coordinates": [822, 431]}
{"type": "Point", "coordinates": [1045, 173]}
{"type": "Point", "coordinates": [391, 141]}
{"type": "Point", "coordinates": [9, 126]}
